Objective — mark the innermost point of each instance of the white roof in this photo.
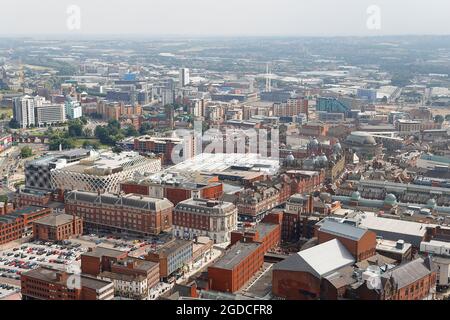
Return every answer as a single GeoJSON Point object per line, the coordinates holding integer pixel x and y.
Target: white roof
{"type": "Point", "coordinates": [319, 260]}
{"type": "Point", "coordinates": [393, 225]}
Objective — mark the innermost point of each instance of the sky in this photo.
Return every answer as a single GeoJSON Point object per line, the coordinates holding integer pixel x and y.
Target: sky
{"type": "Point", "coordinates": [225, 17]}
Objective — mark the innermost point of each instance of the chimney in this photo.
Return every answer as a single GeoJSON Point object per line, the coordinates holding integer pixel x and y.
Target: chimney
{"type": "Point", "coordinates": [400, 244]}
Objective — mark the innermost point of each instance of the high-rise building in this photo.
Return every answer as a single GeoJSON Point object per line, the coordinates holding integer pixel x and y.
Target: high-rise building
{"type": "Point", "coordinates": [23, 110]}
{"type": "Point", "coordinates": [184, 77]}
{"type": "Point", "coordinates": [73, 108]}
{"type": "Point", "coordinates": [46, 114]}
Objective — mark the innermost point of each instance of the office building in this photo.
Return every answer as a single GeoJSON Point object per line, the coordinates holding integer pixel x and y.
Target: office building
{"type": "Point", "coordinates": [184, 77]}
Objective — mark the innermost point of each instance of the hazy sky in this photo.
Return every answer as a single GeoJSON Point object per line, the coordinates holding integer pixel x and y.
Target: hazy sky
{"type": "Point", "coordinates": [225, 17]}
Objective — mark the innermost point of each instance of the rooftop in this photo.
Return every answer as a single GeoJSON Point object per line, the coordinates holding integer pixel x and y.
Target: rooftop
{"type": "Point", "coordinates": [55, 220]}
{"type": "Point", "coordinates": [129, 200]}
{"type": "Point", "coordinates": [343, 230]}
{"type": "Point", "coordinates": [235, 255]}
{"type": "Point", "coordinates": [319, 260]}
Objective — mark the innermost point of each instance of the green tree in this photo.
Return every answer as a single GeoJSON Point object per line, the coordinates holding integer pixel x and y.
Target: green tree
{"type": "Point", "coordinates": [13, 124]}
{"type": "Point", "coordinates": [438, 119]}
{"type": "Point", "coordinates": [26, 152]}
{"type": "Point", "coordinates": [130, 131]}
{"type": "Point", "coordinates": [145, 127]}
{"type": "Point", "coordinates": [75, 128]}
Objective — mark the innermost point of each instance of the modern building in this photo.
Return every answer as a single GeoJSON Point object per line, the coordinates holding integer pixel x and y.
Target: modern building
{"type": "Point", "coordinates": [102, 172]}
{"type": "Point", "coordinates": [48, 114]}
{"type": "Point", "coordinates": [122, 214]}
{"type": "Point", "coordinates": [202, 217]}
{"type": "Point", "coordinates": [184, 77]}
{"type": "Point", "coordinates": [57, 227]}
{"type": "Point", "coordinates": [73, 108]}
{"type": "Point", "coordinates": [236, 267]}
{"type": "Point", "coordinates": [363, 144]}
{"type": "Point", "coordinates": [45, 283]}
{"type": "Point", "coordinates": [23, 111]}
{"type": "Point", "coordinates": [38, 171]}
{"type": "Point", "coordinates": [333, 105]}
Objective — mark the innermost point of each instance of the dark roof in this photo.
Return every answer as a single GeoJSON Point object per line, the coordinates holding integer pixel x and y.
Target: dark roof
{"type": "Point", "coordinates": [172, 247]}
{"type": "Point", "coordinates": [408, 273]}
{"type": "Point", "coordinates": [343, 230]}
{"type": "Point", "coordinates": [100, 252]}
{"type": "Point", "coordinates": [235, 255]}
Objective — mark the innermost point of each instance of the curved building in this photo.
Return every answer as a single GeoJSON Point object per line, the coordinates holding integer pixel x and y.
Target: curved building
{"type": "Point", "coordinates": [363, 144]}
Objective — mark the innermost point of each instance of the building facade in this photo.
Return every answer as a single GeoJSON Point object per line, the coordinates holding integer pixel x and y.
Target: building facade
{"type": "Point", "coordinates": [196, 217]}
{"type": "Point", "coordinates": [122, 214]}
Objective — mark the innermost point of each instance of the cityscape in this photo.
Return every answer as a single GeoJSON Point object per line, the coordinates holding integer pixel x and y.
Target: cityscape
{"type": "Point", "coordinates": [225, 168]}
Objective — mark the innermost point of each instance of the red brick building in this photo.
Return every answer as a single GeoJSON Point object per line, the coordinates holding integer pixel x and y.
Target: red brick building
{"type": "Point", "coordinates": [300, 275]}
{"type": "Point", "coordinates": [236, 267]}
{"type": "Point", "coordinates": [28, 197]}
{"type": "Point", "coordinates": [175, 192]}
{"type": "Point", "coordinates": [48, 284]}
{"type": "Point", "coordinates": [162, 146]}
{"type": "Point", "coordinates": [112, 213]}
{"type": "Point", "coordinates": [414, 280]}
{"type": "Point", "coordinates": [267, 233]}
{"type": "Point", "coordinates": [100, 259]}
{"type": "Point", "coordinates": [18, 223]}
{"type": "Point", "coordinates": [361, 243]}
{"type": "Point", "coordinates": [57, 227]}
{"type": "Point", "coordinates": [305, 181]}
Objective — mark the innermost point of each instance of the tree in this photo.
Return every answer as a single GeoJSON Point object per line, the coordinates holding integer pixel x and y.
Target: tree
{"type": "Point", "coordinates": [13, 124]}
{"type": "Point", "coordinates": [145, 127]}
{"type": "Point", "coordinates": [447, 117]}
{"type": "Point", "coordinates": [75, 128]}
{"type": "Point", "coordinates": [438, 119]}
{"type": "Point", "coordinates": [130, 131]}
{"type": "Point", "coordinates": [91, 144]}
{"type": "Point", "coordinates": [26, 152]}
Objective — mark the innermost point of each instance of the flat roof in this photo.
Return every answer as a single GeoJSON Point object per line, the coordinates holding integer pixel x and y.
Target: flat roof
{"type": "Point", "coordinates": [55, 220]}
{"type": "Point", "coordinates": [393, 225]}
{"type": "Point", "coordinates": [172, 247]}
{"type": "Point", "coordinates": [102, 251]}
{"type": "Point", "coordinates": [235, 255]}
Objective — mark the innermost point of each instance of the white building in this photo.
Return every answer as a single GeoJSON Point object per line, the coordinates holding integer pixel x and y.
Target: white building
{"type": "Point", "coordinates": [23, 110]}
{"type": "Point", "coordinates": [127, 286]}
{"type": "Point", "coordinates": [47, 114]}
{"type": "Point", "coordinates": [73, 109]}
{"type": "Point", "coordinates": [102, 172]}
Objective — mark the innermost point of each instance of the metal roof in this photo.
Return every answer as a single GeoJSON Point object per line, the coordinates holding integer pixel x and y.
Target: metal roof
{"type": "Point", "coordinates": [319, 260]}
{"type": "Point", "coordinates": [343, 230]}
